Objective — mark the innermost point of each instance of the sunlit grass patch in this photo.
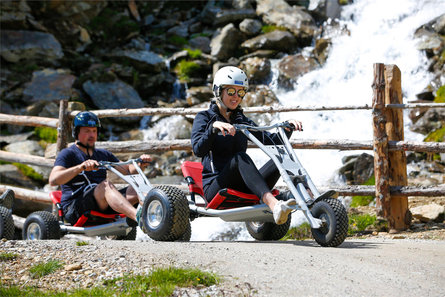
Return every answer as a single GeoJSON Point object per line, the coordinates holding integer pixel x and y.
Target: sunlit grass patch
{"type": "Point", "coordinates": [41, 269]}
{"type": "Point", "coordinates": [7, 256]}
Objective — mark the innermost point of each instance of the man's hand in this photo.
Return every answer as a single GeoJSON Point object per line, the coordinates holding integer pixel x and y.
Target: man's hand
{"type": "Point", "coordinates": [89, 165]}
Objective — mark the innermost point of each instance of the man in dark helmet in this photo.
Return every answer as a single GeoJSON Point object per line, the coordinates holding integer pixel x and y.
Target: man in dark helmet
{"type": "Point", "coordinates": [84, 186]}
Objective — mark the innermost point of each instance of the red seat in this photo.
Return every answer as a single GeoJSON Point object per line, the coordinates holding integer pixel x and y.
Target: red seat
{"type": "Point", "coordinates": [225, 199]}
{"type": "Point", "coordinates": [89, 218]}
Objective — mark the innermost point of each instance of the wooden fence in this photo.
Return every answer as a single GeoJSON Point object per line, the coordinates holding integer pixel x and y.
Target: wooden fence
{"type": "Point", "coordinates": [388, 145]}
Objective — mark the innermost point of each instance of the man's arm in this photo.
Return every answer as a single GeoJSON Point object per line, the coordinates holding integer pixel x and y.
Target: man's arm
{"type": "Point", "coordinates": [61, 175]}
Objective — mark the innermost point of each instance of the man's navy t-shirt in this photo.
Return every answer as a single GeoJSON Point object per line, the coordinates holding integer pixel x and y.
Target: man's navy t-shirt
{"type": "Point", "coordinates": [73, 156]}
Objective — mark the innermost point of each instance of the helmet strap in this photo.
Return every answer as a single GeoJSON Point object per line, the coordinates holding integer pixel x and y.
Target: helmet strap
{"type": "Point", "coordinates": [87, 147]}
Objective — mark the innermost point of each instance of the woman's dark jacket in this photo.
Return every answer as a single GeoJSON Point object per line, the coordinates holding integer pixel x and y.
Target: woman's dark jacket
{"type": "Point", "coordinates": [215, 149]}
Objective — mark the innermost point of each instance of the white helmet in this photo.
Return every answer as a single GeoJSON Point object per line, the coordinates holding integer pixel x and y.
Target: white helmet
{"type": "Point", "coordinates": [229, 75]}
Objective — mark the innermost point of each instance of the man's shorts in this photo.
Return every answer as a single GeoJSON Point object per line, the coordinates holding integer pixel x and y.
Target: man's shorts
{"type": "Point", "coordinates": [84, 203]}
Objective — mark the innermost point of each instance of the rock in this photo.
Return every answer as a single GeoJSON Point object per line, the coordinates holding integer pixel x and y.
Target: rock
{"type": "Point", "coordinates": [357, 169]}
{"type": "Point", "coordinates": [22, 45]}
{"type": "Point", "coordinates": [427, 213]}
{"type": "Point", "coordinates": [11, 175]}
{"type": "Point", "coordinates": [431, 120]}
{"type": "Point", "coordinates": [250, 27]}
{"type": "Point", "coordinates": [275, 40]}
{"type": "Point", "coordinates": [258, 70]}
{"type": "Point", "coordinates": [49, 85]}
{"type": "Point", "coordinates": [293, 18]}
{"type": "Point", "coordinates": [43, 109]}
{"type": "Point", "coordinates": [196, 95]}
{"type": "Point", "coordinates": [142, 60]}
{"type": "Point", "coordinates": [324, 9]}
{"type": "Point", "coordinates": [116, 94]}
{"type": "Point", "coordinates": [72, 267]}
{"type": "Point", "coordinates": [202, 43]}
{"type": "Point", "coordinates": [225, 42]}
{"type": "Point", "coordinates": [292, 67]}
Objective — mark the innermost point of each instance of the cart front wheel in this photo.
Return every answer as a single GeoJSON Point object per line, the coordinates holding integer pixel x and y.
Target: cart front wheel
{"type": "Point", "coordinates": [41, 225]}
{"type": "Point", "coordinates": [334, 219]}
{"type": "Point", "coordinates": [166, 214]}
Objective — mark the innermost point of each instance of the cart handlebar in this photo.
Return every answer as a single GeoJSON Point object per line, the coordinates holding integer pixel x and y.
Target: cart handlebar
{"type": "Point", "coordinates": [264, 128]}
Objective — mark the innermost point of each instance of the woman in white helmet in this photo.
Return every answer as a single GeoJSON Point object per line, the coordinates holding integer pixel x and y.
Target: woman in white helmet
{"type": "Point", "coordinates": [223, 151]}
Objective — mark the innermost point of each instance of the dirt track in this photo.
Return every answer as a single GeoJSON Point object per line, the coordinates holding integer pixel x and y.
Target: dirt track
{"type": "Point", "coordinates": [359, 267]}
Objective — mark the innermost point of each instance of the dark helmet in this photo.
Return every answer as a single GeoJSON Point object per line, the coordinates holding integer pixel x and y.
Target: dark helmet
{"type": "Point", "coordinates": [84, 119]}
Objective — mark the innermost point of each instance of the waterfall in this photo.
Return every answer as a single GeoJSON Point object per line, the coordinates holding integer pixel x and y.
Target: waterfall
{"type": "Point", "coordinates": [381, 31]}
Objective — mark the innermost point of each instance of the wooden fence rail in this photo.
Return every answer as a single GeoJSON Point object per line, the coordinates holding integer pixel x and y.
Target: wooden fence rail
{"type": "Point", "coordinates": [388, 144]}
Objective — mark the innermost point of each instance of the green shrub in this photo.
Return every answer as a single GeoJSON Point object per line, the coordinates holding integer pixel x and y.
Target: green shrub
{"type": "Point", "coordinates": [436, 136]}
{"type": "Point", "coordinates": [364, 200]}
{"type": "Point", "coordinates": [29, 172]}
{"type": "Point", "coordinates": [47, 134]}
{"type": "Point", "coordinates": [194, 54]}
{"type": "Point", "coordinates": [440, 94]}
{"type": "Point", "coordinates": [299, 233]}
{"type": "Point", "coordinates": [359, 222]}
{"type": "Point", "coordinates": [270, 28]}
{"type": "Point", "coordinates": [42, 269]}
{"type": "Point", "coordinates": [177, 40]}
{"type": "Point", "coordinates": [186, 69]}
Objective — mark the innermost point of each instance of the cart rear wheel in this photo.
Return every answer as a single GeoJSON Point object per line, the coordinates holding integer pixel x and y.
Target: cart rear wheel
{"type": "Point", "coordinates": [268, 230]}
{"type": "Point", "coordinates": [7, 228]}
{"type": "Point", "coordinates": [335, 222]}
{"type": "Point", "coordinates": [41, 225]}
{"type": "Point", "coordinates": [165, 214]}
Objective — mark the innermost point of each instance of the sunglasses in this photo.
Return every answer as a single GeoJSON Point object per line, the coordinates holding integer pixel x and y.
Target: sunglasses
{"type": "Point", "coordinates": [232, 91]}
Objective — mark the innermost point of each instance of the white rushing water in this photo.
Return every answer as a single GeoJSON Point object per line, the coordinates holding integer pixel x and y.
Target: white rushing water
{"type": "Point", "coordinates": [381, 31]}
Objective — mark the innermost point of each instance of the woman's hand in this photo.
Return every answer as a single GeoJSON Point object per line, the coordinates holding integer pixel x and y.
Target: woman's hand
{"type": "Point", "coordinates": [298, 126]}
{"type": "Point", "coordinates": [225, 128]}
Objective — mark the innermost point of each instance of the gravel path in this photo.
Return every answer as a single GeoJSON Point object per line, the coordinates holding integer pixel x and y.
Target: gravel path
{"type": "Point", "coordinates": [359, 267]}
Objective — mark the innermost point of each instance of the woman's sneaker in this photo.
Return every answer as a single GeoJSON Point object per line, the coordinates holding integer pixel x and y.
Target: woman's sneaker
{"type": "Point", "coordinates": [282, 210]}
{"type": "Point", "coordinates": [7, 199]}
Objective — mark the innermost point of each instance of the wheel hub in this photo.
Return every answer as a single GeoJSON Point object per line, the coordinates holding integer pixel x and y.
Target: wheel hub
{"type": "Point", "coordinates": [34, 232]}
{"type": "Point", "coordinates": [155, 213]}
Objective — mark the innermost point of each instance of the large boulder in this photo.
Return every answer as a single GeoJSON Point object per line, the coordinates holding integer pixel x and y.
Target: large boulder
{"type": "Point", "coordinates": [275, 40]}
{"type": "Point", "coordinates": [141, 60]}
{"type": "Point", "coordinates": [292, 67]}
{"type": "Point", "coordinates": [16, 46]}
{"type": "Point", "coordinates": [258, 70]}
{"type": "Point", "coordinates": [293, 18]}
{"type": "Point", "coordinates": [225, 42]}
{"type": "Point", "coordinates": [116, 94]}
{"type": "Point", "coordinates": [49, 85]}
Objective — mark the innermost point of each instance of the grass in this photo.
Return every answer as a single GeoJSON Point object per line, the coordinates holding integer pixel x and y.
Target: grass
{"type": "Point", "coordinates": [359, 222]}
{"type": "Point", "coordinates": [7, 256]}
{"type": "Point", "coordinates": [47, 134]}
{"type": "Point", "coordinates": [161, 282]}
{"type": "Point", "coordinates": [82, 243]}
{"type": "Point", "coordinates": [194, 54]}
{"type": "Point", "coordinates": [41, 269]}
{"type": "Point", "coordinates": [299, 233]}
{"type": "Point", "coordinates": [29, 172]}
{"type": "Point", "coordinates": [364, 200]}
{"type": "Point", "coordinates": [186, 69]}
{"type": "Point", "coordinates": [271, 28]}
{"type": "Point", "coordinates": [440, 94]}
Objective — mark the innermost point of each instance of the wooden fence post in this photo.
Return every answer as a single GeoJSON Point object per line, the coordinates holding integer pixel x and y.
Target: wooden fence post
{"type": "Point", "coordinates": [63, 126]}
{"type": "Point", "coordinates": [380, 143]}
{"type": "Point", "coordinates": [399, 211]}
